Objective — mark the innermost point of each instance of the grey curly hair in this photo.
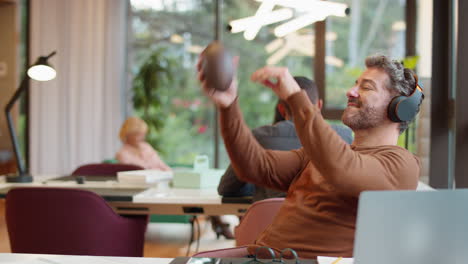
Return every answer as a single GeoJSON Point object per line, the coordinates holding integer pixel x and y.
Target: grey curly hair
{"type": "Point", "coordinates": [402, 80]}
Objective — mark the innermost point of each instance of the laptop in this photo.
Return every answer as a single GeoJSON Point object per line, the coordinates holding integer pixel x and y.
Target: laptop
{"type": "Point", "coordinates": [412, 227]}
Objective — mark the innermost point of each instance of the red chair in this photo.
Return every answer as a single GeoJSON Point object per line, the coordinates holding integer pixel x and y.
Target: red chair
{"type": "Point", "coordinates": [259, 215]}
{"type": "Point", "coordinates": [70, 221]}
{"type": "Point", "coordinates": [104, 169]}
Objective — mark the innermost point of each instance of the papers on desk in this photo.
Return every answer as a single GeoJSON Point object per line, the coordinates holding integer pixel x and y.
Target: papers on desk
{"type": "Point", "coordinates": [144, 177]}
{"type": "Point", "coordinates": [333, 260]}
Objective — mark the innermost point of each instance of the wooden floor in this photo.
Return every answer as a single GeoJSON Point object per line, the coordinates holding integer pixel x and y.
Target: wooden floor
{"type": "Point", "coordinates": [162, 240]}
{"type": "Point", "coordinates": [4, 244]}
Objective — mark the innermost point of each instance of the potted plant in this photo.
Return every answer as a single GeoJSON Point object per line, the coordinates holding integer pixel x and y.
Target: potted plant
{"type": "Point", "coordinates": [155, 74]}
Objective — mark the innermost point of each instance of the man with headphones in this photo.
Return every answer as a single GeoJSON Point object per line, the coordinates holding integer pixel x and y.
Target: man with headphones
{"type": "Point", "coordinates": [324, 178]}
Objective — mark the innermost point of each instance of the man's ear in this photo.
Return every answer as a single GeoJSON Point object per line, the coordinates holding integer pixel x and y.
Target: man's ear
{"type": "Point", "coordinates": [282, 110]}
{"type": "Point", "coordinates": [320, 104]}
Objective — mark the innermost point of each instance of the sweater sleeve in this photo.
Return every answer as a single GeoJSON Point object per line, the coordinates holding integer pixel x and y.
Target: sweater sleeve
{"type": "Point", "coordinates": [348, 170]}
{"type": "Point", "coordinates": [250, 161]}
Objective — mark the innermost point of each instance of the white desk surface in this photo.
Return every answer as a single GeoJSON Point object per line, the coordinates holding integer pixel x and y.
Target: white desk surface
{"type": "Point", "coordinates": [9, 258]}
{"type": "Point", "coordinates": [47, 181]}
{"type": "Point", "coordinates": [153, 200]}
{"type": "Point", "coordinates": [160, 194]}
{"type": "Point", "coordinates": [174, 195]}
{"type": "Point", "coordinates": [157, 200]}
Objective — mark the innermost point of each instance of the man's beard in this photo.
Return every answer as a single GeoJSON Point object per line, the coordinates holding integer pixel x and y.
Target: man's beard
{"type": "Point", "coordinates": [363, 117]}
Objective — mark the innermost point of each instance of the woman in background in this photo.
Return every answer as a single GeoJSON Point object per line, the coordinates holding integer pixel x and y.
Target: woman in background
{"type": "Point", "coordinates": [135, 150]}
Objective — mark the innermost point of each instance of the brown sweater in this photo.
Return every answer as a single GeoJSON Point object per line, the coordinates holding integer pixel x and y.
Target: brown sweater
{"type": "Point", "coordinates": [323, 179]}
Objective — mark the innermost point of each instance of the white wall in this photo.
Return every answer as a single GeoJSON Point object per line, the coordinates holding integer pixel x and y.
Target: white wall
{"type": "Point", "coordinates": [76, 117]}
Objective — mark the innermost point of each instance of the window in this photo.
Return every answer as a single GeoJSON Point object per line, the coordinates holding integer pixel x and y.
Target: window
{"type": "Point", "coordinates": [256, 101]}
{"type": "Point", "coordinates": [373, 27]}
{"type": "Point", "coordinates": [183, 28]}
{"type": "Point", "coordinates": [23, 123]}
{"type": "Point", "coordinates": [176, 31]}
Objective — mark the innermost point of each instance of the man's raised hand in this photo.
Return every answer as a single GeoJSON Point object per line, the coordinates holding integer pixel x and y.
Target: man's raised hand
{"type": "Point", "coordinates": [222, 99]}
{"type": "Point", "coordinates": [278, 79]}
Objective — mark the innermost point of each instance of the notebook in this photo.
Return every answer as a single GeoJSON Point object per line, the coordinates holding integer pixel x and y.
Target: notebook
{"type": "Point", "coordinates": [144, 177]}
{"type": "Point", "coordinates": [412, 227]}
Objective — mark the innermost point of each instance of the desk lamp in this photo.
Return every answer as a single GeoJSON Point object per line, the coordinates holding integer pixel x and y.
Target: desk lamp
{"type": "Point", "coordinates": [40, 71]}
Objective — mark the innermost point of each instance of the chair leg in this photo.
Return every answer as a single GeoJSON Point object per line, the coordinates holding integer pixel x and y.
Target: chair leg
{"type": "Point", "coordinates": [221, 228]}
{"type": "Point", "coordinates": [198, 234]}
{"type": "Point", "coordinates": [192, 235]}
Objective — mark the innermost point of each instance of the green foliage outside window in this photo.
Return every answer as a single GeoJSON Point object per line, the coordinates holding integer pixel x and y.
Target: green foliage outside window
{"type": "Point", "coordinates": [181, 115]}
{"type": "Point", "coordinates": [187, 115]}
{"type": "Point", "coordinates": [182, 28]}
{"type": "Point", "coordinates": [155, 74]}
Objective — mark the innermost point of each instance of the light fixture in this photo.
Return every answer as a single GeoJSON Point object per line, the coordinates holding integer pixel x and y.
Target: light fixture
{"type": "Point", "coordinates": [197, 49]}
{"type": "Point", "coordinates": [265, 8]}
{"type": "Point", "coordinates": [297, 23]}
{"type": "Point", "coordinates": [40, 71]}
{"type": "Point", "coordinates": [313, 12]}
{"type": "Point", "coordinates": [243, 24]}
{"type": "Point", "coordinates": [301, 44]}
{"type": "Point", "coordinates": [307, 12]}
{"type": "Point", "coordinates": [399, 26]}
{"type": "Point", "coordinates": [176, 38]}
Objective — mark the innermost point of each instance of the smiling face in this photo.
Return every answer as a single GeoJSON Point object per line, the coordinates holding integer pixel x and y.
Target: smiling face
{"type": "Point", "coordinates": [368, 100]}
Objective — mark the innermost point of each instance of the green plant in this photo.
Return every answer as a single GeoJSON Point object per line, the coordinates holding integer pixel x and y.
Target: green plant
{"type": "Point", "coordinates": [154, 75]}
{"type": "Point", "coordinates": [411, 62]}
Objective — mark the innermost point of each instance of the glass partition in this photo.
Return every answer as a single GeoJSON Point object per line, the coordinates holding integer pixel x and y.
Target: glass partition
{"type": "Point", "coordinates": [294, 51]}
{"type": "Point", "coordinates": [174, 32]}
{"type": "Point", "coordinates": [373, 27]}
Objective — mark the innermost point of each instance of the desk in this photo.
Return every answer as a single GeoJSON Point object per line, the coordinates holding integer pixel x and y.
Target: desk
{"type": "Point", "coordinates": [9, 258]}
{"type": "Point", "coordinates": [137, 199]}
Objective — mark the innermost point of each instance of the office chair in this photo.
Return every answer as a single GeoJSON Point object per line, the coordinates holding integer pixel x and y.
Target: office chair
{"type": "Point", "coordinates": [104, 169]}
{"type": "Point", "coordinates": [259, 215]}
{"type": "Point", "coordinates": [111, 169]}
{"type": "Point", "coordinates": [72, 222]}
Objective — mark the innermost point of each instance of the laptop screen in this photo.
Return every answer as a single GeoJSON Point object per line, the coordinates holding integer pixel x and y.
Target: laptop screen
{"type": "Point", "coordinates": [412, 227]}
